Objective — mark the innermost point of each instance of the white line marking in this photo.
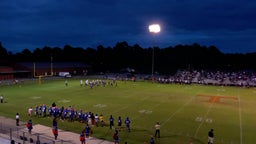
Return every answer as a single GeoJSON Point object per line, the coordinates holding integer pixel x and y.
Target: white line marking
{"type": "Point", "coordinates": [126, 107]}
{"type": "Point", "coordinates": [146, 111]}
{"type": "Point", "coordinates": [240, 118]}
{"type": "Point", "coordinates": [171, 116]}
{"type": "Point", "coordinates": [121, 109]}
{"type": "Point", "coordinates": [205, 116]}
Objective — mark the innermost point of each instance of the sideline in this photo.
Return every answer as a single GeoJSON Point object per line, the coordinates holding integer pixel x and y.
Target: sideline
{"type": "Point", "coordinates": [71, 137]}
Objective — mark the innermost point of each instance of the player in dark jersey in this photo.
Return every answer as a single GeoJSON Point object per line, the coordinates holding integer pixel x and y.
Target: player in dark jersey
{"type": "Point", "coordinates": [119, 123]}
{"type": "Point", "coordinates": [111, 122]}
{"type": "Point", "coordinates": [127, 123]}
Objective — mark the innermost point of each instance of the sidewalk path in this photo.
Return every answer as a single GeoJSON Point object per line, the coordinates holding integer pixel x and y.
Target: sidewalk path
{"type": "Point", "coordinates": [72, 138]}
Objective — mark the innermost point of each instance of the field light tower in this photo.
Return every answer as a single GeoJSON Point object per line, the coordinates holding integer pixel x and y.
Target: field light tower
{"type": "Point", "coordinates": [154, 28]}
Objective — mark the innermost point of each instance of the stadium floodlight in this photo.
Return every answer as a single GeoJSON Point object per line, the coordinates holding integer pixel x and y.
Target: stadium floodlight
{"type": "Point", "coordinates": [153, 28]}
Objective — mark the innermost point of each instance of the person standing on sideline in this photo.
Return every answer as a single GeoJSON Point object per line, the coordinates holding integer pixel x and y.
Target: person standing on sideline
{"type": "Point", "coordinates": [66, 82]}
{"type": "Point", "coordinates": [111, 122]}
{"type": "Point", "coordinates": [81, 82]}
{"type": "Point", "coordinates": [210, 136]}
{"type": "Point", "coordinates": [54, 123]}
{"type": "Point", "coordinates": [1, 98]}
{"type": "Point", "coordinates": [152, 141]}
{"type": "Point", "coordinates": [116, 137]}
{"type": "Point", "coordinates": [82, 138]}
{"type": "Point", "coordinates": [29, 126]}
{"type": "Point", "coordinates": [101, 118]}
{"type": "Point", "coordinates": [55, 132]}
{"type": "Point", "coordinates": [87, 131]}
{"type": "Point", "coordinates": [157, 127]}
{"type": "Point", "coordinates": [55, 127]}
{"type": "Point", "coordinates": [119, 123]}
{"type": "Point", "coordinates": [17, 119]}
{"type": "Point", "coordinates": [30, 111]}
{"type": "Point", "coordinates": [127, 123]}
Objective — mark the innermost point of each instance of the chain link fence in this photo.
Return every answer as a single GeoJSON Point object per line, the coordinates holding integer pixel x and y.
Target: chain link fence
{"type": "Point", "coordinates": [20, 135]}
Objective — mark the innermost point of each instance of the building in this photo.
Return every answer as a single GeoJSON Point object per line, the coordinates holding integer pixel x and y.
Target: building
{"type": "Point", "coordinates": [51, 69]}
{"type": "Point", "coordinates": [6, 73]}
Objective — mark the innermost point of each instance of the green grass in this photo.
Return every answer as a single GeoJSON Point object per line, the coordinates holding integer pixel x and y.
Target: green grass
{"type": "Point", "coordinates": [184, 116]}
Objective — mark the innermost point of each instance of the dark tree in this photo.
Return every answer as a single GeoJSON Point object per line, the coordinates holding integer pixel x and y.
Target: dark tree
{"type": "Point", "coordinates": [3, 55]}
{"type": "Point", "coordinates": [112, 59]}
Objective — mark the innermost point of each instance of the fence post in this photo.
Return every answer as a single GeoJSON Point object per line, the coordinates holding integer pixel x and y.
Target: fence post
{"type": "Point", "coordinates": [37, 141]}
{"type": "Point", "coordinates": [23, 137]}
{"type": "Point", "coordinates": [10, 134]}
{"type": "Point", "coordinates": [17, 132]}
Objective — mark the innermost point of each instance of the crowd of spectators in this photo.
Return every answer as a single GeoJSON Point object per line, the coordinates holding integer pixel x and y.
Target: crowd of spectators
{"type": "Point", "coordinates": [239, 78]}
{"type": "Point", "coordinates": [205, 77]}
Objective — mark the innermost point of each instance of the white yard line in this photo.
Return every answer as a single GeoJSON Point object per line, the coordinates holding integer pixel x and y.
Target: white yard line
{"type": "Point", "coordinates": [121, 109]}
{"type": "Point", "coordinates": [205, 116]}
{"type": "Point", "coordinates": [178, 110]}
{"type": "Point", "coordinates": [125, 107]}
{"type": "Point", "coordinates": [240, 118]}
{"type": "Point", "coordinates": [139, 116]}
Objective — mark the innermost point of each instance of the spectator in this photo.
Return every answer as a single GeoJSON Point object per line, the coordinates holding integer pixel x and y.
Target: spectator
{"type": "Point", "coordinates": [30, 111]}
{"type": "Point", "coordinates": [101, 118]}
{"type": "Point", "coordinates": [111, 122]}
{"type": "Point", "coordinates": [66, 83]}
{"type": "Point", "coordinates": [151, 141]}
{"type": "Point", "coordinates": [82, 138]}
{"type": "Point", "coordinates": [1, 99]}
{"type": "Point", "coordinates": [119, 123]}
{"type": "Point", "coordinates": [54, 123]}
{"type": "Point", "coordinates": [116, 137]}
{"type": "Point", "coordinates": [29, 126]}
{"type": "Point", "coordinates": [87, 130]}
{"type": "Point", "coordinates": [210, 136]}
{"type": "Point", "coordinates": [127, 123]}
{"type": "Point", "coordinates": [17, 119]}
{"type": "Point", "coordinates": [55, 132]}
{"type": "Point", "coordinates": [157, 127]}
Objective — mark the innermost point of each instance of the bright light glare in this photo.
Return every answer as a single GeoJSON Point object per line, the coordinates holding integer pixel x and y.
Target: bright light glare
{"type": "Point", "coordinates": [155, 28]}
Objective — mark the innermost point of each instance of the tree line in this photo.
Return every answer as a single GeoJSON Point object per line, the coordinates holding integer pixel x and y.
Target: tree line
{"type": "Point", "coordinates": [113, 59]}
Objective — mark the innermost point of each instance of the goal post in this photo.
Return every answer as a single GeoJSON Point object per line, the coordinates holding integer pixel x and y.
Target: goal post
{"type": "Point", "coordinates": [40, 79]}
{"type": "Point", "coordinates": [41, 76]}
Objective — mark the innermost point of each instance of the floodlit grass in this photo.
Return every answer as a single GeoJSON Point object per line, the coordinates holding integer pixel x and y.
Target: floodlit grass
{"type": "Point", "coordinates": [186, 112]}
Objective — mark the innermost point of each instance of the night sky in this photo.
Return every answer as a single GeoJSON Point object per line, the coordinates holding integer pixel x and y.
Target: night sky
{"type": "Point", "coordinates": [230, 25]}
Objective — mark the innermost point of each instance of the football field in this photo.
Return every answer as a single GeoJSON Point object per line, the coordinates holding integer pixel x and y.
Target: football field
{"type": "Point", "coordinates": [186, 112]}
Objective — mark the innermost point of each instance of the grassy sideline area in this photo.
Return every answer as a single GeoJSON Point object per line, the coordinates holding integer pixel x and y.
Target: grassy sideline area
{"type": "Point", "coordinates": [186, 112]}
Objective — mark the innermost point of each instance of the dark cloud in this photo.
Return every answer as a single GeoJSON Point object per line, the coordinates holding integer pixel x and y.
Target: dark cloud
{"type": "Point", "coordinates": [229, 25]}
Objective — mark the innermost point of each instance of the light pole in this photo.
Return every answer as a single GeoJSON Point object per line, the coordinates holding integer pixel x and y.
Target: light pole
{"type": "Point", "coordinates": [154, 28]}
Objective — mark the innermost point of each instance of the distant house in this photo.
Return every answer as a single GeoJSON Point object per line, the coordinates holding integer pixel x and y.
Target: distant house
{"type": "Point", "coordinates": [6, 73]}
{"type": "Point", "coordinates": [52, 69]}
